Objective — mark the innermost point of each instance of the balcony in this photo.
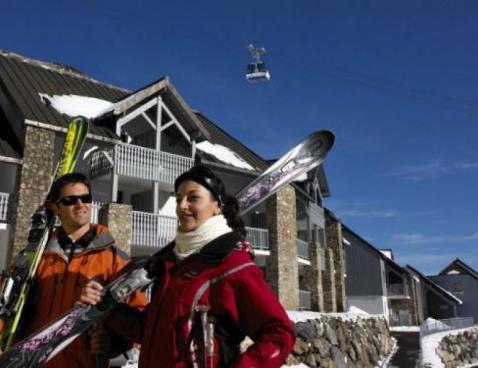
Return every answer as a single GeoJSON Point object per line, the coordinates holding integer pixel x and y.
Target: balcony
{"type": "Point", "coordinates": [151, 230]}
{"type": "Point", "coordinates": [138, 162]}
{"type": "Point", "coordinates": [303, 249]}
{"type": "Point", "coordinates": [3, 206]}
{"type": "Point", "coordinates": [397, 291]}
{"type": "Point", "coordinates": [305, 300]}
{"type": "Point", "coordinates": [259, 238]}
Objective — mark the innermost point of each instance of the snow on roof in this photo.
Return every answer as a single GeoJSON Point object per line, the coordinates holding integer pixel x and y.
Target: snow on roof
{"type": "Point", "coordinates": [74, 105]}
{"type": "Point", "coordinates": [453, 272]}
{"type": "Point", "coordinates": [224, 154]}
{"type": "Point", "coordinates": [430, 343]}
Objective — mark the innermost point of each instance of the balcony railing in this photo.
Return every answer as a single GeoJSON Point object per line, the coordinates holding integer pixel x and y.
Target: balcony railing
{"type": "Point", "coordinates": [305, 300]}
{"type": "Point", "coordinates": [397, 290]}
{"type": "Point", "coordinates": [152, 230]}
{"type": "Point", "coordinates": [3, 206]}
{"type": "Point", "coordinates": [303, 249]}
{"type": "Point", "coordinates": [139, 162]}
{"type": "Point", "coordinates": [430, 326]}
{"type": "Point", "coordinates": [259, 238]}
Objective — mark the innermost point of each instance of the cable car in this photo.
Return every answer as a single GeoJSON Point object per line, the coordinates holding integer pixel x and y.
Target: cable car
{"type": "Point", "coordinates": [257, 70]}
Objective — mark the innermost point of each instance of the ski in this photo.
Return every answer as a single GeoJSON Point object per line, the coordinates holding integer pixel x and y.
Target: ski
{"type": "Point", "coordinates": [18, 280]}
{"type": "Point", "coordinates": [43, 345]}
{"type": "Point", "coordinates": [305, 156]}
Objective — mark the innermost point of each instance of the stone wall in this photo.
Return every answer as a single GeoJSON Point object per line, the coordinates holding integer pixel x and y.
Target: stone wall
{"type": "Point", "coordinates": [118, 217]}
{"type": "Point", "coordinates": [333, 342]}
{"type": "Point", "coordinates": [33, 183]}
{"type": "Point", "coordinates": [333, 230]}
{"type": "Point", "coordinates": [282, 267]}
{"type": "Point", "coordinates": [459, 349]}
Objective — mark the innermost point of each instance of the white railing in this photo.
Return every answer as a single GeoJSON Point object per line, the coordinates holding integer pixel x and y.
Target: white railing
{"type": "Point", "coordinates": [397, 290]}
{"type": "Point", "coordinates": [302, 249]}
{"type": "Point", "coordinates": [95, 211]}
{"type": "Point", "coordinates": [152, 230]}
{"type": "Point", "coordinates": [3, 206]}
{"type": "Point", "coordinates": [431, 326]}
{"type": "Point", "coordinates": [305, 302]}
{"type": "Point", "coordinates": [259, 238]}
{"type": "Point", "coordinates": [140, 162]}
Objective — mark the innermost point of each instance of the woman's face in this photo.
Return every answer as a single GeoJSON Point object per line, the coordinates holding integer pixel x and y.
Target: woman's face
{"type": "Point", "coordinates": [194, 205]}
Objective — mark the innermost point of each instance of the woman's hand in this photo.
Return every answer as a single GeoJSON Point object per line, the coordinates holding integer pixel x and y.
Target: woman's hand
{"type": "Point", "coordinates": [91, 293]}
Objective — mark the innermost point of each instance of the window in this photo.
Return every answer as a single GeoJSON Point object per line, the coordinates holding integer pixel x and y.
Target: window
{"type": "Point", "coordinates": [457, 289]}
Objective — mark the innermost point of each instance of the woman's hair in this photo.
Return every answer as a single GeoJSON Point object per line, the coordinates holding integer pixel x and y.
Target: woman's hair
{"type": "Point", "coordinates": [228, 203]}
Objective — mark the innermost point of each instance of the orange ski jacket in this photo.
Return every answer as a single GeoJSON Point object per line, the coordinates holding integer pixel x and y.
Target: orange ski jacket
{"type": "Point", "coordinates": [58, 286]}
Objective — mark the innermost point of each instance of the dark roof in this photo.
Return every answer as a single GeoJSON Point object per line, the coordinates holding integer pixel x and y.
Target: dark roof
{"type": "Point", "coordinates": [346, 229]}
{"type": "Point", "coordinates": [219, 136]}
{"type": "Point", "coordinates": [430, 283]}
{"type": "Point", "coordinates": [9, 145]}
{"type": "Point", "coordinates": [461, 267]}
{"type": "Point", "coordinates": [22, 79]}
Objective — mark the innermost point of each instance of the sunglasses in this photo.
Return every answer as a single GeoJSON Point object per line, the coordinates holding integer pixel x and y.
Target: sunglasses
{"type": "Point", "coordinates": [73, 199]}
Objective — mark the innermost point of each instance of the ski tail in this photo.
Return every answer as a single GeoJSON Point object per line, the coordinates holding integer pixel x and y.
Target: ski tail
{"type": "Point", "coordinates": [305, 156]}
{"type": "Point", "coordinates": [16, 283]}
{"type": "Point", "coordinates": [75, 137]}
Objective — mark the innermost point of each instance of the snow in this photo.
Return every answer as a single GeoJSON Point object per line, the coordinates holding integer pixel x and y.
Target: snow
{"type": "Point", "coordinates": [74, 105]}
{"type": "Point", "coordinates": [224, 154]}
{"type": "Point", "coordinates": [405, 329]}
{"type": "Point", "coordinates": [430, 343]}
{"type": "Point", "coordinates": [353, 314]}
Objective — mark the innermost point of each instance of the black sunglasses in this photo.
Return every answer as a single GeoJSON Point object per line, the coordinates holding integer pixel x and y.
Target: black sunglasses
{"type": "Point", "coordinates": [73, 199]}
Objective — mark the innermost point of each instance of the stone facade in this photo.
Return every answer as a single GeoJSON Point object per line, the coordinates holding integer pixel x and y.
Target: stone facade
{"type": "Point", "coordinates": [459, 350]}
{"type": "Point", "coordinates": [333, 342]}
{"type": "Point", "coordinates": [283, 271]}
{"type": "Point", "coordinates": [328, 282]}
{"type": "Point", "coordinates": [32, 184]}
{"type": "Point", "coordinates": [119, 219]}
{"type": "Point", "coordinates": [313, 278]}
{"type": "Point", "coordinates": [333, 230]}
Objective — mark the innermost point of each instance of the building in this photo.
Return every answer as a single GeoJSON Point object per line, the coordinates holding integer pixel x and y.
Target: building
{"type": "Point", "coordinates": [139, 143]}
{"type": "Point", "coordinates": [461, 280]}
{"type": "Point", "coordinates": [376, 284]}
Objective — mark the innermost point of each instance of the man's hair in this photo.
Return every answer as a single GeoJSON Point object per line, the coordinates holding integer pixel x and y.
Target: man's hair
{"type": "Point", "coordinates": [65, 180]}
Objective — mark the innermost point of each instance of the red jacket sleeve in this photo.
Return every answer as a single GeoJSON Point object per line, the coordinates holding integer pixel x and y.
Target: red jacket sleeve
{"type": "Point", "coordinates": [264, 320]}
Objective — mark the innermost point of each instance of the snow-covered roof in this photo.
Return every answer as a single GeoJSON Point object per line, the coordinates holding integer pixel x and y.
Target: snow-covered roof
{"type": "Point", "coordinates": [74, 105]}
{"type": "Point", "coordinates": [224, 154]}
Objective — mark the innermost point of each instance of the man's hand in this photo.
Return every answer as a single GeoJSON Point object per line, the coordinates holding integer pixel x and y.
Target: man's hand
{"type": "Point", "coordinates": [91, 293]}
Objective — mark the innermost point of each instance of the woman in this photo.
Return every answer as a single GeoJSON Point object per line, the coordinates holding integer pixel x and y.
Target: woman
{"type": "Point", "coordinates": [209, 294]}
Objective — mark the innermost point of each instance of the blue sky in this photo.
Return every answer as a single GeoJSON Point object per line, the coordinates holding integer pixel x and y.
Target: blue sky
{"type": "Point", "coordinates": [396, 81]}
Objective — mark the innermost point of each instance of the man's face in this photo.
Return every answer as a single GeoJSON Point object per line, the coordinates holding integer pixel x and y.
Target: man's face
{"type": "Point", "coordinates": [76, 215]}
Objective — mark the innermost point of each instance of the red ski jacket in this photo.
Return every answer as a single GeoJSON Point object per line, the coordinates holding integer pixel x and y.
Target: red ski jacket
{"type": "Point", "coordinates": [58, 285]}
{"type": "Point", "coordinates": [204, 306]}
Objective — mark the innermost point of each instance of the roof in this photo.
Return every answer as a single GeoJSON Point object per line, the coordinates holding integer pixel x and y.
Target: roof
{"type": "Point", "coordinates": [378, 252]}
{"type": "Point", "coordinates": [461, 267]}
{"type": "Point", "coordinates": [220, 137]}
{"type": "Point", "coordinates": [22, 79]}
{"type": "Point", "coordinates": [10, 147]}
{"type": "Point", "coordinates": [430, 283]}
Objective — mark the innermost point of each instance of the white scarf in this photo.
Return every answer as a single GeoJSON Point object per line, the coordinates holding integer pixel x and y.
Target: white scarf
{"type": "Point", "coordinates": [192, 241]}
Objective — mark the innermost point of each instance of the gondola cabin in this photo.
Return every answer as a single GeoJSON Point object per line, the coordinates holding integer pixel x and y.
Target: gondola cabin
{"type": "Point", "coordinates": [257, 72]}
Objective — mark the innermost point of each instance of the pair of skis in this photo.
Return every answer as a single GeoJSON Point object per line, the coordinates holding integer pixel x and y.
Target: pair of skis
{"type": "Point", "coordinates": [17, 282]}
{"type": "Point", "coordinates": [46, 343]}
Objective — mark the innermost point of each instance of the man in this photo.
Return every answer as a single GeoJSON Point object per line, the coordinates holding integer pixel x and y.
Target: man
{"type": "Point", "coordinates": [77, 252]}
